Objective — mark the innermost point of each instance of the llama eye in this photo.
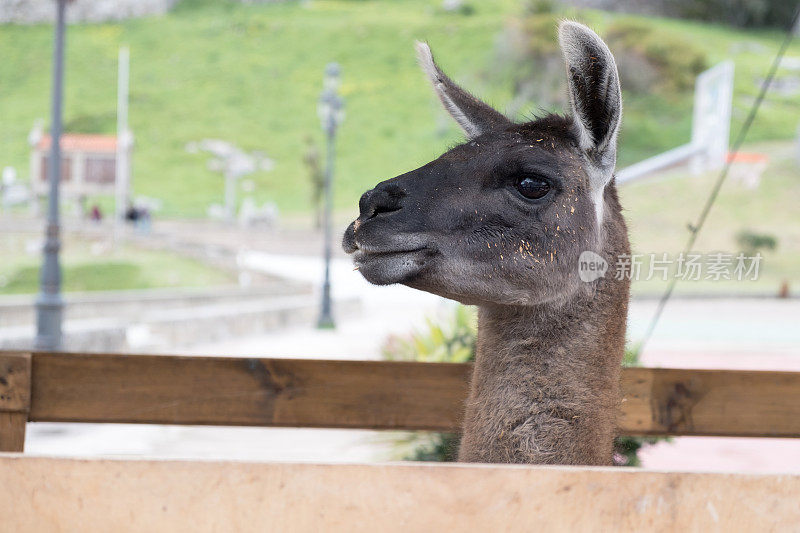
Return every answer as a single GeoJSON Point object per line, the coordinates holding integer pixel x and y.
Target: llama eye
{"type": "Point", "coordinates": [533, 188]}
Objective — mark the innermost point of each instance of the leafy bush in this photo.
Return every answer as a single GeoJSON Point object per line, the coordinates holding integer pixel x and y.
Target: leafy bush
{"type": "Point", "coordinates": [649, 59]}
{"type": "Point", "coordinates": [751, 242]}
{"type": "Point", "coordinates": [454, 342]}
{"type": "Point", "coordinates": [626, 449]}
{"type": "Point", "coordinates": [528, 55]}
{"type": "Point", "coordinates": [459, 7]}
{"type": "Point", "coordinates": [739, 13]}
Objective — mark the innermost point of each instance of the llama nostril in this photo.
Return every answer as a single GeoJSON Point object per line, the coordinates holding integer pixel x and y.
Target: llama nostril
{"type": "Point", "coordinates": [384, 209]}
{"type": "Point", "coordinates": [378, 201]}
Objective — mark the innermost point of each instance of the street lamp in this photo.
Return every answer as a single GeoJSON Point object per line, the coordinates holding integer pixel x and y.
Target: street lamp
{"type": "Point", "coordinates": [49, 304]}
{"type": "Point", "coordinates": [331, 113]}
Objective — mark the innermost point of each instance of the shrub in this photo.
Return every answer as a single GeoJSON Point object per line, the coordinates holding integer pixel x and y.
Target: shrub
{"type": "Point", "coordinates": [751, 242]}
{"type": "Point", "coordinates": [650, 59]}
{"type": "Point", "coordinates": [528, 55]}
{"type": "Point", "coordinates": [452, 342]}
{"type": "Point", "coordinates": [739, 13]}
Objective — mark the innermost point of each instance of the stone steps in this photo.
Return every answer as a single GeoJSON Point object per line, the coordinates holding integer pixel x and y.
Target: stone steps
{"type": "Point", "coordinates": [20, 310]}
{"type": "Point", "coordinates": [159, 329]}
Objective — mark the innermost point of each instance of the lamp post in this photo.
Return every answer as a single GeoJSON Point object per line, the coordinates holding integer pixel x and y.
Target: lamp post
{"type": "Point", "coordinates": [49, 304]}
{"type": "Point", "coordinates": [331, 113]}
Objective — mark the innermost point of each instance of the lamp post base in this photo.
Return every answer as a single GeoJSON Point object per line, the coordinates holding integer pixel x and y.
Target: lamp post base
{"type": "Point", "coordinates": [49, 308]}
{"type": "Point", "coordinates": [326, 322]}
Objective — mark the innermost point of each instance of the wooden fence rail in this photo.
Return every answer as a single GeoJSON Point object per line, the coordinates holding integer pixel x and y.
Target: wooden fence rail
{"type": "Point", "coordinates": [60, 387]}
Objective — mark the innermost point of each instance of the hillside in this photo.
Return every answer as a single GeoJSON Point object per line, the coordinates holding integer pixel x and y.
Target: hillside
{"type": "Point", "coordinates": [251, 74]}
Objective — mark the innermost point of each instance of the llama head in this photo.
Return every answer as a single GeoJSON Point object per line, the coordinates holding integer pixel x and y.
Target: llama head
{"type": "Point", "coordinates": [504, 217]}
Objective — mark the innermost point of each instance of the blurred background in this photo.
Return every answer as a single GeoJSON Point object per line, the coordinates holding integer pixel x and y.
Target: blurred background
{"type": "Point", "coordinates": [198, 136]}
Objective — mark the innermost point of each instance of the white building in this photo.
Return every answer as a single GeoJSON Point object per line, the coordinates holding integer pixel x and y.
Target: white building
{"type": "Point", "coordinates": [88, 165]}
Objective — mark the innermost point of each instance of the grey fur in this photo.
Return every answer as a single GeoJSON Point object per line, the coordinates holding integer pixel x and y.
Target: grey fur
{"type": "Point", "coordinates": [474, 117]}
{"type": "Point", "coordinates": [596, 101]}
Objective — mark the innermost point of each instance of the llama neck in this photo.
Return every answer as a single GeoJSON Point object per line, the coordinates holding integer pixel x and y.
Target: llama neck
{"type": "Point", "coordinates": [545, 388]}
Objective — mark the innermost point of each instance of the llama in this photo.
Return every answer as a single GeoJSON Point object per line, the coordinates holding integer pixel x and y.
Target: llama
{"type": "Point", "coordinates": [500, 222]}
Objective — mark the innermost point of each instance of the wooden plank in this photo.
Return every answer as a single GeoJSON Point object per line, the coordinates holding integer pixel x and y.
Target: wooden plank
{"type": "Point", "coordinates": [250, 392]}
{"type": "Point", "coordinates": [15, 399]}
{"type": "Point", "coordinates": [44, 494]}
{"type": "Point", "coordinates": [380, 395]}
{"type": "Point", "coordinates": [710, 402]}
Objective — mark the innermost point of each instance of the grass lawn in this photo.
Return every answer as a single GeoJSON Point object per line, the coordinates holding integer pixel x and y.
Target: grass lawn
{"type": "Point", "coordinates": [93, 266]}
{"type": "Point", "coordinates": [251, 74]}
{"type": "Point", "coordinates": [658, 214]}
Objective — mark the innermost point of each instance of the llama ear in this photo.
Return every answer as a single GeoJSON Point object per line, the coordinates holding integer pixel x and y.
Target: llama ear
{"type": "Point", "coordinates": [474, 116]}
{"type": "Point", "coordinates": [594, 89]}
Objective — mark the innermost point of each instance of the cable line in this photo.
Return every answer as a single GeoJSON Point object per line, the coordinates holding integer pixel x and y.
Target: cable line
{"type": "Point", "coordinates": [695, 228]}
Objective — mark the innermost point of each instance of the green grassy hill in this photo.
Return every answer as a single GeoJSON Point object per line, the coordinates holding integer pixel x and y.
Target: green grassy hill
{"type": "Point", "coordinates": [658, 213]}
{"type": "Point", "coordinates": [251, 74]}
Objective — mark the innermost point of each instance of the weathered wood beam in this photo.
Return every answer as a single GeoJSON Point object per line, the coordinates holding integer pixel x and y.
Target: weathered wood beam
{"type": "Point", "coordinates": [379, 395]}
{"type": "Point", "coordinates": [15, 399]}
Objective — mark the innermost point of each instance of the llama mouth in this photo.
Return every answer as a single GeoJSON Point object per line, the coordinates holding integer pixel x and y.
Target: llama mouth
{"type": "Point", "coordinates": [385, 267]}
{"type": "Point", "coordinates": [364, 255]}
{"type": "Point", "coordinates": [384, 244]}
{"type": "Point", "coordinates": [363, 249]}
{"type": "Point", "coordinates": [388, 257]}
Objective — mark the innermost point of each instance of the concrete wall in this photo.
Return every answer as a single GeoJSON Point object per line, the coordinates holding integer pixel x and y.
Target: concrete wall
{"type": "Point", "coordinates": [159, 327]}
{"type": "Point", "coordinates": [48, 494]}
{"type": "Point", "coordinates": [20, 310]}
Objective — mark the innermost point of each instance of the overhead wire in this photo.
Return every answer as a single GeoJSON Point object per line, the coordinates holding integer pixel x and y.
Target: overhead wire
{"type": "Point", "coordinates": [694, 229]}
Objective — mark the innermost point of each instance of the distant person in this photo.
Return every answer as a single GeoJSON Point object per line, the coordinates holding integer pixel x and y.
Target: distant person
{"type": "Point", "coordinates": [132, 214]}
{"type": "Point", "coordinates": [95, 214]}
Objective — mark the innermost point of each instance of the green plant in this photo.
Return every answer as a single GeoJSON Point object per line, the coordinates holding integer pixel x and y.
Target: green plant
{"type": "Point", "coordinates": [739, 13]}
{"type": "Point", "coordinates": [451, 342]}
{"type": "Point", "coordinates": [536, 7]}
{"type": "Point", "coordinates": [529, 56]}
{"type": "Point", "coordinates": [458, 7]}
{"type": "Point", "coordinates": [626, 449]}
{"type": "Point", "coordinates": [751, 242]}
{"type": "Point", "coordinates": [454, 342]}
{"type": "Point", "coordinates": [428, 446]}
{"type": "Point", "coordinates": [648, 58]}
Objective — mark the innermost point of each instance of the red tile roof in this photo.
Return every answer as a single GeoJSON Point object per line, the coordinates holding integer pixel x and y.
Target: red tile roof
{"type": "Point", "coordinates": [79, 142]}
{"type": "Point", "coordinates": [747, 157]}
